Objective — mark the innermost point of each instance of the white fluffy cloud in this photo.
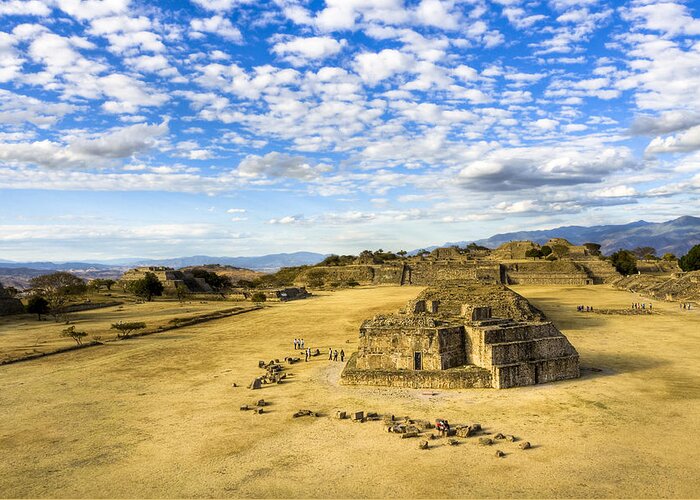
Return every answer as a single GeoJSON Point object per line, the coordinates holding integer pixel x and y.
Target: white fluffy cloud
{"type": "Point", "coordinates": [280, 165]}
{"type": "Point", "coordinates": [682, 142]}
{"type": "Point", "coordinates": [217, 25]}
{"type": "Point", "coordinates": [24, 8]}
{"type": "Point", "coordinates": [88, 151]}
{"type": "Point", "coordinates": [220, 5]}
{"type": "Point", "coordinates": [375, 67]}
{"type": "Point", "coordinates": [301, 50]}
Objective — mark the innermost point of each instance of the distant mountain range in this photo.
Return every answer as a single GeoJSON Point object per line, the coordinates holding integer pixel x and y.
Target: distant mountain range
{"type": "Point", "coordinates": [260, 263]}
{"type": "Point", "coordinates": [675, 236]}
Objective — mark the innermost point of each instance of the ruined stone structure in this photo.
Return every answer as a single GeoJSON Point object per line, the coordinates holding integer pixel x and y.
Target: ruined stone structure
{"type": "Point", "coordinates": [9, 305]}
{"type": "Point", "coordinates": [283, 294]}
{"type": "Point", "coordinates": [508, 264]}
{"type": "Point", "coordinates": [433, 345]}
{"type": "Point", "coordinates": [169, 277]}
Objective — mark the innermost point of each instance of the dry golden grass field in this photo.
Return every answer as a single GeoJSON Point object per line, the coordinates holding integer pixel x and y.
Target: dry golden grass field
{"type": "Point", "coordinates": [157, 416]}
{"type": "Point", "coordinates": [25, 335]}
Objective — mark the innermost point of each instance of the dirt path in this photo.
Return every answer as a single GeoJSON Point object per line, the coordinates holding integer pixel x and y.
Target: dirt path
{"type": "Point", "coordinates": [157, 416]}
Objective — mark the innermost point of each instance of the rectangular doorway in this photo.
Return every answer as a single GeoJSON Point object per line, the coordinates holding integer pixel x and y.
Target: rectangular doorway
{"type": "Point", "coordinates": [417, 360]}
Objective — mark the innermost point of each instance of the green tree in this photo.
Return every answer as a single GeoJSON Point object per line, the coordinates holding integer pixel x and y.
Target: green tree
{"type": "Point", "coordinates": [624, 262]}
{"type": "Point", "coordinates": [593, 248]}
{"type": "Point", "coordinates": [99, 283]}
{"type": "Point", "coordinates": [691, 260]}
{"type": "Point", "coordinates": [57, 288]}
{"type": "Point", "coordinates": [535, 253]}
{"type": "Point", "coordinates": [645, 253]}
{"type": "Point", "coordinates": [560, 250]}
{"type": "Point", "coordinates": [258, 297]}
{"type": "Point", "coordinates": [147, 287]}
{"type": "Point", "coordinates": [546, 250]}
{"type": "Point", "coordinates": [37, 305]}
{"type": "Point", "coordinates": [75, 335]}
{"type": "Point", "coordinates": [669, 257]}
{"type": "Point", "coordinates": [183, 293]}
{"type": "Point", "coordinates": [124, 329]}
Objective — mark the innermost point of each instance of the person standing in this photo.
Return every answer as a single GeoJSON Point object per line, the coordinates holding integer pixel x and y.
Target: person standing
{"type": "Point", "coordinates": [335, 355]}
{"type": "Point", "coordinates": [295, 344]}
{"type": "Point", "coordinates": [306, 355]}
{"type": "Point", "coordinates": [342, 355]}
{"type": "Point", "coordinates": [330, 354]}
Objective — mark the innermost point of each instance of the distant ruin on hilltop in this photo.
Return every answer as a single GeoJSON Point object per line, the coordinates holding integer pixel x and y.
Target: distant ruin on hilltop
{"type": "Point", "coordinates": [509, 265]}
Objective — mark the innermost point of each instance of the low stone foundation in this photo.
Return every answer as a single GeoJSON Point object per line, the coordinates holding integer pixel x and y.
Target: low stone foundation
{"type": "Point", "coordinates": [467, 377]}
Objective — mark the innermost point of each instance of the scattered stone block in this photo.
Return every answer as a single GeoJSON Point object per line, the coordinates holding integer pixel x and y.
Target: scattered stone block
{"type": "Point", "coordinates": [304, 413]}
{"type": "Point", "coordinates": [476, 427]}
{"type": "Point", "coordinates": [261, 402]}
{"type": "Point", "coordinates": [465, 432]}
{"type": "Point", "coordinates": [499, 436]}
{"type": "Point", "coordinates": [256, 384]}
{"type": "Point", "coordinates": [245, 408]}
{"type": "Point", "coordinates": [358, 416]}
{"type": "Point", "coordinates": [500, 454]}
{"type": "Point", "coordinates": [407, 435]}
{"type": "Point", "coordinates": [341, 415]}
{"type": "Point", "coordinates": [525, 445]}
{"type": "Point", "coordinates": [423, 445]}
{"type": "Point", "coordinates": [510, 438]}
{"type": "Point", "coordinates": [452, 442]}
{"type": "Point", "coordinates": [261, 364]}
{"type": "Point", "coordinates": [259, 411]}
{"type": "Point", "coordinates": [484, 441]}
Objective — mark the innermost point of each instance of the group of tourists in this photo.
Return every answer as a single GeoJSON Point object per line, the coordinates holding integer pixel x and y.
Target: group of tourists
{"type": "Point", "coordinates": [584, 308]}
{"type": "Point", "coordinates": [685, 305]}
{"type": "Point", "coordinates": [333, 355]}
{"type": "Point", "coordinates": [636, 305]}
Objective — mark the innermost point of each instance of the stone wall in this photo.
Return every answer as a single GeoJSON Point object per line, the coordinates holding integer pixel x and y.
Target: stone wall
{"type": "Point", "coordinates": [454, 378]}
{"type": "Point", "coordinates": [543, 272]}
{"type": "Point", "coordinates": [389, 342]}
{"type": "Point", "coordinates": [600, 271]}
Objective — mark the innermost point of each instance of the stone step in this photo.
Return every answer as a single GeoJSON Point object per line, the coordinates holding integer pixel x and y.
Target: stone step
{"type": "Point", "coordinates": [519, 332]}
{"type": "Point", "coordinates": [527, 350]}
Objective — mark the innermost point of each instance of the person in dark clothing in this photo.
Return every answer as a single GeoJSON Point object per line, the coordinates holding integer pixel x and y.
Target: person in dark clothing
{"type": "Point", "coordinates": [335, 355]}
{"type": "Point", "coordinates": [342, 355]}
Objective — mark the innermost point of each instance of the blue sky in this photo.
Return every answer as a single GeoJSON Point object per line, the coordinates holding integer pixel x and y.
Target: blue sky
{"type": "Point", "coordinates": [240, 127]}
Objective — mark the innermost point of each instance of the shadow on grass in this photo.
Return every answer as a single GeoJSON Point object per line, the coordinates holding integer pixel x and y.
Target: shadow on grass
{"type": "Point", "coordinates": [603, 364]}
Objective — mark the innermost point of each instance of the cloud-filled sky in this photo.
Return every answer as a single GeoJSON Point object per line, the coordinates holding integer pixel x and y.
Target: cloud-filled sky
{"type": "Point", "coordinates": [242, 127]}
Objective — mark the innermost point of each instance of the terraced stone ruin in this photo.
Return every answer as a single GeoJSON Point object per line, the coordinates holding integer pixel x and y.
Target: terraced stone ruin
{"type": "Point", "coordinates": [468, 336]}
{"type": "Point", "coordinates": [508, 264]}
{"type": "Point", "coordinates": [169, 277]}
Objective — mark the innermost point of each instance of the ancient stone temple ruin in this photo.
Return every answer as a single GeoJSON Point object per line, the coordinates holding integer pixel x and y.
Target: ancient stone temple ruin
{"type": "Point", "coordinates": [8, 304]}
{"type": "Point", "coordinates": [458, 343]}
